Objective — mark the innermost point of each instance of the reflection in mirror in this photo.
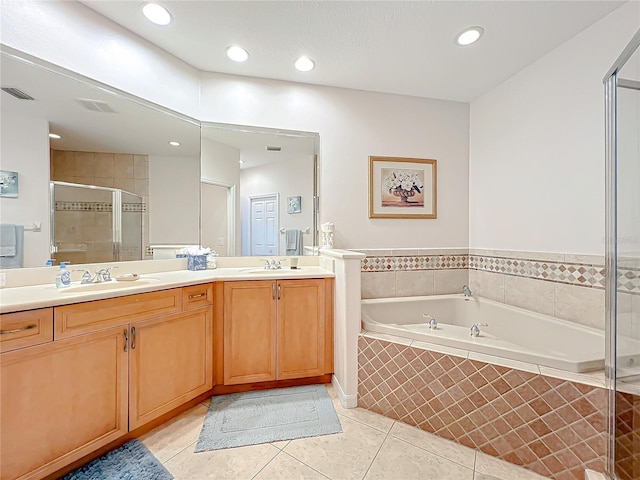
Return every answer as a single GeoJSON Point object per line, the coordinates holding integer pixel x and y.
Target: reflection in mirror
{"type": "Point", "coordinates": [258, 190]}
{"type": "Point", "coordinates": [118, 185]}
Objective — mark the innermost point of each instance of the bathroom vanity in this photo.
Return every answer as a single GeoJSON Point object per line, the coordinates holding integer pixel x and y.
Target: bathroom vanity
{"type": "Point", "coordinates": [80, 376]}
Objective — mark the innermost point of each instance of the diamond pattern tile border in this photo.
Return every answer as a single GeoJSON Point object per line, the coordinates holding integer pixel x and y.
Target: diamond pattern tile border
{"type": "Point", "coordinates": [553, 427]}
{"type": "Point", "coordinates": [559, 272]}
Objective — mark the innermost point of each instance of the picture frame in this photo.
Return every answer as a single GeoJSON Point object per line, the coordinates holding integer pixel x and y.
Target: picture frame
{"type": "Point", "coordinates": [294, 204]}
{"type": "Point", "coordinates": [401, 187]}
{"type": "Point", "coordinates": [8, 184]}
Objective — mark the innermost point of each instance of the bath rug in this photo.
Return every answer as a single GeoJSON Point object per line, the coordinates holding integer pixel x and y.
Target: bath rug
{"type": "Point", "coordinates": [132, 461]}
{"type": "Point", "coordinates": [268, 416]}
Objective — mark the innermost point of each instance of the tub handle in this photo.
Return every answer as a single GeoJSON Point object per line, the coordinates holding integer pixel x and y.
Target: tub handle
{"type": "Point", "coordinates": [433, 323]}
{"type": "Point", "coordinates": [475, 329]}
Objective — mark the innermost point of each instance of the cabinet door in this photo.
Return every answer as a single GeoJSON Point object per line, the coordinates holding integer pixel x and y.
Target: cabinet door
{"type": "Point", "coordinates": [171, 361]}
{"type": "Point", "coordinates": [301, 328]}
{"type": "Point", "coordinates": [249, 332]}
{"type": "Point", "coordinates": [61, 401]}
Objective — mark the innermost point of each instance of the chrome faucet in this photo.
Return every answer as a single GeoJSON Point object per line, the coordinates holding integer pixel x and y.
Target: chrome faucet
{"type": "Point", "coordinates": [272, 265]}
{"type": "Point", "coordinates": [102, 275]}
{"type": "Point", "coordinates": [86, 276]}
{"type": "Point", "coordinates": [466, 291]}
{"type": "Point", "coordinates": [475, 329]}
{"type": "Point", "coordinates": [433, 323]}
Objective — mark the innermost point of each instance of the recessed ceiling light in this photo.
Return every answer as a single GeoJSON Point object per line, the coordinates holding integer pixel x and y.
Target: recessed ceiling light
{"type": "Point", "coordinates": [240, 162]}
{"type": "Point", "coordinates": [157, 14]}
{"type": "Point", "coordinates": [237, 54]}
{"type": "Point", "coordinates": [469, 36]}
{"type": "Point", "coordinates": [305, 64]}
{"type": "Point", "coordinates": [174, 144]}
{"type": "Point", "coordinates": [55, 135]}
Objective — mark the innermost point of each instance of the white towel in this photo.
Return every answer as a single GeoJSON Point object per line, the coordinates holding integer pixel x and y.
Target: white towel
{"type": "Point", "coordinates": [8, 240]}
{"type": "Point", "coordinates": [17, 260]}
{"type": "Point", "coordinates": [293, 242]}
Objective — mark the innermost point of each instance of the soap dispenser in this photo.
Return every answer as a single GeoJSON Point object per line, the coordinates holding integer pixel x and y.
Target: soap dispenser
{"type": "Point", "coordinates": [63, 279]}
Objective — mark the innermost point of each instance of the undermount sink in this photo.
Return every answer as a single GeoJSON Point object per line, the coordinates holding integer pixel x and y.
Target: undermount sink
{"type": "Point", "coordinates": [264, 271]}
{"type": "Point", "coordinates": [113, 285]}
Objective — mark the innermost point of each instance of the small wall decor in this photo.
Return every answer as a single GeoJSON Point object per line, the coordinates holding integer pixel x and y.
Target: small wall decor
{"type": "Point", "coordinates": [402, 187]}
{"type": "Point", "coordinates": [8, 184]}
{"type": "Point", "coordinates": [294, 204]}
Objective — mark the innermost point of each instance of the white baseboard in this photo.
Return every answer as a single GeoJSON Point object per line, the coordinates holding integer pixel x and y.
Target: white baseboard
{"type": "Point", "coordinates": [347, 401]}
{"type": "Point", "coordinates": [593, 475]}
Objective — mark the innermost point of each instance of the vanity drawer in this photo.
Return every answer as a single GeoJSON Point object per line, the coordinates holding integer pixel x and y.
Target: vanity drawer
{"type": "Point", "coordinates": [24, 329]}
{"type": "Point", "coordinates": [71, 320]}
{"type": "Point", "coordinates": [197, 296]}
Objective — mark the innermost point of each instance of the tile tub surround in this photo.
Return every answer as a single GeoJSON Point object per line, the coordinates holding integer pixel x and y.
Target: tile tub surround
{"type": "Point", "coordinates": [566, 286]}
{"type": "Point", "coordinates": [551, 426]}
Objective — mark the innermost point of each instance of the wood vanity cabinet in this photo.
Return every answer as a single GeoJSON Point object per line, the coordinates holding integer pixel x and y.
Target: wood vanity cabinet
{"type": "Point", "coordinates": [277, 330]}
{"type": "Point", "coordinates": [60, 401]}
{"type": "Point", "coordinates": [171, 362]}
{"type": "Point", "coordinates": [110, 366]}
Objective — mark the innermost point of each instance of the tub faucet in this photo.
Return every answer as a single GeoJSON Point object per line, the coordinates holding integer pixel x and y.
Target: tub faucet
{"type": "Point", "coordinates": [466, 291]}
{"type": "Point", "coordinates": [433, 323]}
{"type": "Point", "coordinates": [475, 329]}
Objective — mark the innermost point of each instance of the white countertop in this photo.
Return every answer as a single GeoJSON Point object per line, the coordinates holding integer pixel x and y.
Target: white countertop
{"type": "Point", "coordinates": [40, 296]}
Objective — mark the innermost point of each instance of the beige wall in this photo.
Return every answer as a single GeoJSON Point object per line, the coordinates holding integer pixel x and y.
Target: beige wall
{"type": "Point", "coordinates": [25, 149]}
{"type": "Point", "coordinates": [174, 198]}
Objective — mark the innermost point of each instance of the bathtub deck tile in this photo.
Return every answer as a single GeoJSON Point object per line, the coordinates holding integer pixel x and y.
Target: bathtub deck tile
{"type": "Point", "coordinates": [387, 337]}
{"type": "Point", "coordinates": [595, 379]}
{"type": "Point", "coordinates": [457, 352]}
{"type": "Point", "coordinates": [505, 362]}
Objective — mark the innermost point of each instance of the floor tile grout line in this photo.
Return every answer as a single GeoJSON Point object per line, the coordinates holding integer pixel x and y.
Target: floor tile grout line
{"type": "Point", "coordinates": [267, 464]}
{"type": "Point", "coordinates": [365, 424]}
{"type": "Point", "coordinates": [178, 453]}
{"type": "Point", "coordinates": [377, 452]}
{"type": "Point", "coordinates": [435, 453]}
{"type": "Point", "coordinates": [307, 465]}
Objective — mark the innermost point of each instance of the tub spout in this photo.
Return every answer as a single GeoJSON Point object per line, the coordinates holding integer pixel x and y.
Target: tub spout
{"type": "Point", "coordinates": [475, 328]}
{"type": "Point", "coordinates": [466, 291]}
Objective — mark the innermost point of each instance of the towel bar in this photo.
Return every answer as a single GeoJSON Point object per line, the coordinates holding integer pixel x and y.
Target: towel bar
{"type": "Point", "coordinates": [306, 231]}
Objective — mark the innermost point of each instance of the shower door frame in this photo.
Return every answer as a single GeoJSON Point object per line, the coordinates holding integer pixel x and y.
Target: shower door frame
{"type": "Point", "coordinates": [116, 216]}
{"type": "Point", "coordinates": [611, 84]}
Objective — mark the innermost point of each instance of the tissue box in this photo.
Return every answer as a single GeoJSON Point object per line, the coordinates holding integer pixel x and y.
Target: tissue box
{"type": "Point", "coordinates": [196, 262]}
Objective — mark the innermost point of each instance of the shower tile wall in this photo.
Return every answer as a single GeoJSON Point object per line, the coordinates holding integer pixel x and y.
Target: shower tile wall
{"type": "Point", "coordinates": [566, 286]}
{"type": "Point", "coordinates": [124, 171]}
{"type": "Point", "coordinates": [554, 427]}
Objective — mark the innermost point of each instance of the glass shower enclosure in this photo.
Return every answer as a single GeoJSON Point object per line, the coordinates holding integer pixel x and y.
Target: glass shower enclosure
{"type": "Point", "coordinates": [622, 99]}
{"type": "Point", "coordinates": [91, 224]}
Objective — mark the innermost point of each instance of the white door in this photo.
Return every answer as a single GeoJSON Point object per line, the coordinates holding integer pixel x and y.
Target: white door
{"type": "Point", "coordinates": [264, 225]}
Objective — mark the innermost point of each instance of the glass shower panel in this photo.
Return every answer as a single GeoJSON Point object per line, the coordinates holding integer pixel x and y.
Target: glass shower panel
{"type": "Point", "coordinates": [626, 408]}
{"type": "Point", "coordinates": [82, 223]}
{"type": "Point", "coordinates": [131, 221]}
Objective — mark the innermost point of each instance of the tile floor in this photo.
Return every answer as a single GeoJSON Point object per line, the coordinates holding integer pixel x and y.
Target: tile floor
{"type": "Point", "coordinates": [370, 447]}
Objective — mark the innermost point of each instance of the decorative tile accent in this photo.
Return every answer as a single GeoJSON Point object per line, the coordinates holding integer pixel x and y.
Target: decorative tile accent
{"type": "Point", "coordinates": [560, 272]}
{"type": "Point", "coordinates": [98, 207]}
{"type": "Point", "coordinates": [414, 262]}
{"type": "Point", "coordinates": [551, 426]}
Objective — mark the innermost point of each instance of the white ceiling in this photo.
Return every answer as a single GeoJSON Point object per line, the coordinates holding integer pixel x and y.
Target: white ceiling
{"type": "Point", "coordinates": [135, 128]}
{"type": "Point", "coordinates": [404, 47]}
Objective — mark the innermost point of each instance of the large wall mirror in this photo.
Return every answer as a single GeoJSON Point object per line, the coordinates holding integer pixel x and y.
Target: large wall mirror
{"type": "Point", "coordinates": [264, 179]}
{"type": "Point", "coordinates": [130, 180]}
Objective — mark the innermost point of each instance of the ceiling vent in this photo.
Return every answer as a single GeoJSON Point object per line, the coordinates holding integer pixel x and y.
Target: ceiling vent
{"type": "Point", "coordinates": [274, 149]}
{"type": "Point", "coordinates": [96, 105]}
{"type": "Point", "coordinates": [16, 92]}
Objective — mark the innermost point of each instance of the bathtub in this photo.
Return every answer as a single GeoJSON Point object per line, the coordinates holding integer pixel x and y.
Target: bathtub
{"type": "Point", "coordinates": [512, 333]}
